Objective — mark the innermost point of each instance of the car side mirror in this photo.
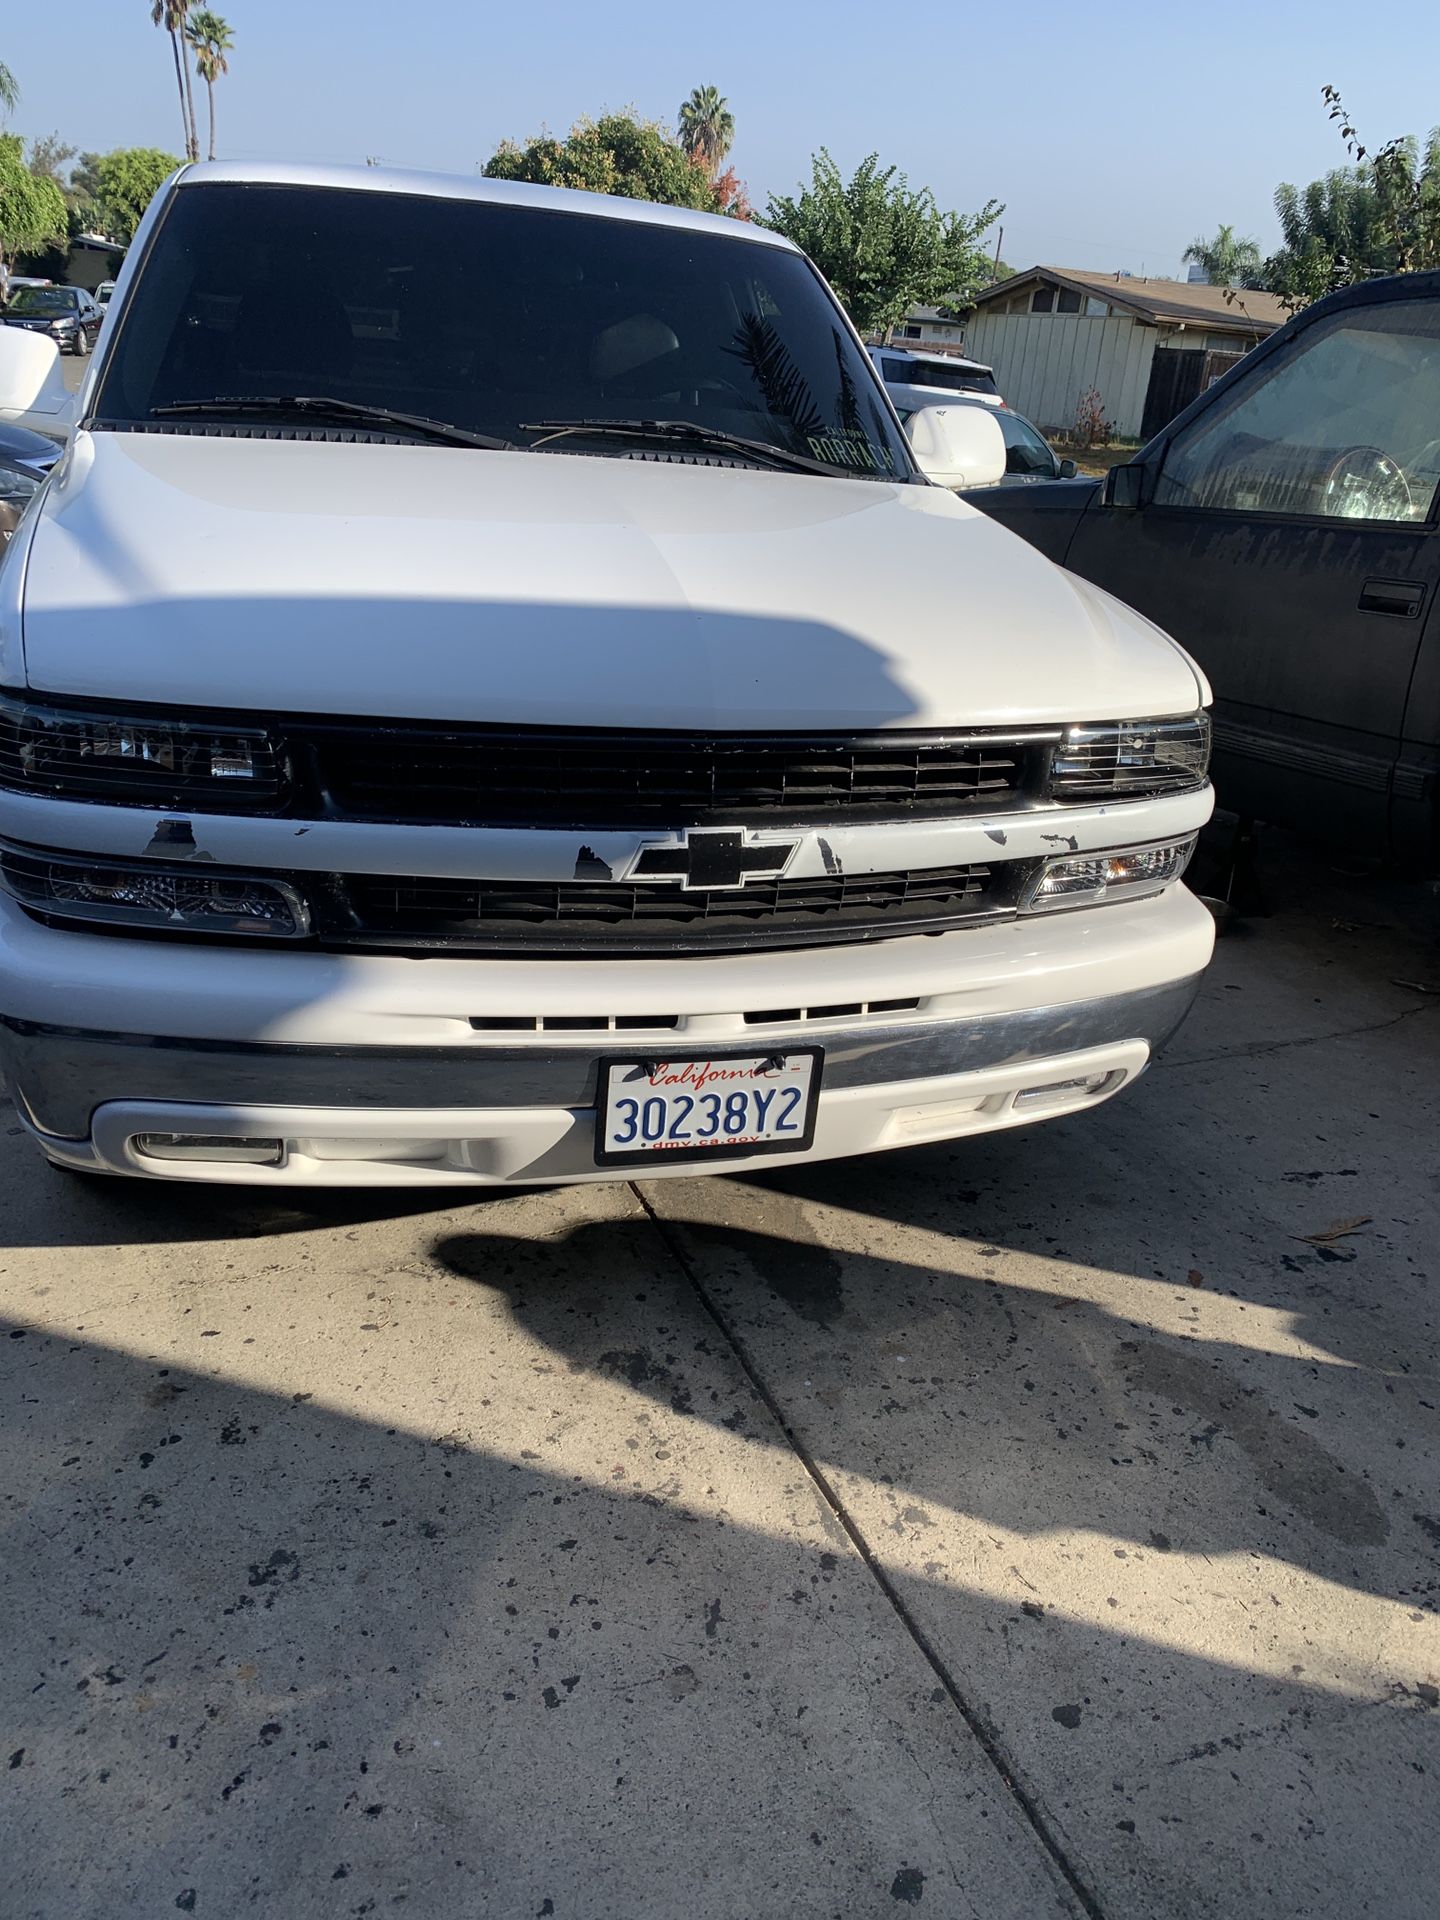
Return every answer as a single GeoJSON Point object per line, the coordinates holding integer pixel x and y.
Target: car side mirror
{"type": "Point", "coordinates": [32, 385]}
{"type": "Point", "coordinates": [1129, 486]}
{"type": "Point", "coordinates": [957, 446]}
{"type": "Point", "coordinates": [1068, 470]}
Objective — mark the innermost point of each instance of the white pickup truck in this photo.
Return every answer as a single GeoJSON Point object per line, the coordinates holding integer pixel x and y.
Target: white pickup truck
{"type": "Point", "coordinates": [544, 719]}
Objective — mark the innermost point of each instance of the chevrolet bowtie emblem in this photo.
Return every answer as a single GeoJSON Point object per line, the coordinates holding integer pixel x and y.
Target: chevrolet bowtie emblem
{"type": "Point", "coordinates": [713, 858]}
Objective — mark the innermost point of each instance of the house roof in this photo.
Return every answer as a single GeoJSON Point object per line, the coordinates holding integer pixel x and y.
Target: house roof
{"type": "Point", "coordinates": [1187, 301]}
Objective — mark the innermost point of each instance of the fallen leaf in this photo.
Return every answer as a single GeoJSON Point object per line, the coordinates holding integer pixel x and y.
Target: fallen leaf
{"type": "Point", "coordinates": [1337, 1230]}
{"type": "Point", "coordinates": [1195, 1277]}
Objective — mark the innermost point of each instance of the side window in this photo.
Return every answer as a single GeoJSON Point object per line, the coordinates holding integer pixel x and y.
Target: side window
{"type": "Point", "coordinates": [1067, 302]}
{"type": "Point", "coordinates": [1043, 301]}
{"type": "Point", "coordinates": [1025, 451]}
{"type": "Point", "coordinates": [1344, 426]}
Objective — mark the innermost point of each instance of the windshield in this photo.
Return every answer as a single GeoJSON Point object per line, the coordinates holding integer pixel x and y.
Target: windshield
{"type": "Point", "coordinates": [541, 316]}
{"type": "Point", "coordinates": [43, 300]}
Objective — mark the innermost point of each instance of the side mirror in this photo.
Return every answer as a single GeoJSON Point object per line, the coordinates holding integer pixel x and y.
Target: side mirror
{"type": "Point", "coordinates": [958, 446]}
{"type": "Point", "coordinates": [1128, 486]}
{"type": "Point", "coordinates": [32, 385]}
{"type": "Point", "coordinates": [1068, 470]}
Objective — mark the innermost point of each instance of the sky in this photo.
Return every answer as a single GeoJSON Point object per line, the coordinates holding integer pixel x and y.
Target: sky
{"type": "Point", "coordinates": [1114, 133]}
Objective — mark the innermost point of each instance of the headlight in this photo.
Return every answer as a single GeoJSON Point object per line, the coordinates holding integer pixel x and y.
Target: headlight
{"type": "Point", "coordinates": [1088, 879]}
{"type": "Point", "coordinates": [17, 487]}
{"type": "Point", "coordinates": [173, 900]}
{"type": "Point", "coordinates": [75, 754]}
{"type": "Point", "coordinates": [1130, 759]}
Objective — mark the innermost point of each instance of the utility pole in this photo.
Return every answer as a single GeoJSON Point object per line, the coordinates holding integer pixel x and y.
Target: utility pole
{"type": "Point", "coordinates": [999, 240]}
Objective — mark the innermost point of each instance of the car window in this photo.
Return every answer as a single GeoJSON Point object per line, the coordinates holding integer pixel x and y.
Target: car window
{"type": "Point", "coordinates": [1346, 425]}
{"type": "Point", "coordinates": [43, 300]}
{"type": "Point", "coordinates": [953, 379]}
{"type": "Point", "coordinates": [543, 315]}
{"type": "Point", "coordinates": [1025, 451]}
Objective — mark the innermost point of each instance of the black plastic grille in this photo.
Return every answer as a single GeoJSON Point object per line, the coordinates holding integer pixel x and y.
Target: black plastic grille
{"type": "Point", "coordinates": [493, 777]}
{"type": "Point", "coordinates": [580, 916]}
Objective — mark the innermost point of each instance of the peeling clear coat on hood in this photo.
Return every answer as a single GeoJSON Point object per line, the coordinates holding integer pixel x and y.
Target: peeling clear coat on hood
{"type": "Point", "coordinates": [556, 589]}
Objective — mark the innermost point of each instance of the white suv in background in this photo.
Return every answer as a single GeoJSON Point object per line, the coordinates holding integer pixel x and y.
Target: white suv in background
{"type": "Point", "coordinates": [565, 733]}
{"type": "Point", "coordinates": [914, 378]}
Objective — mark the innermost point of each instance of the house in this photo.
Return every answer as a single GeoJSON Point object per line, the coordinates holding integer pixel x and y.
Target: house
{"type": "Point", "coordinates": [1146, 346]}
{"type": "Point", "coordinates": [927, 327]}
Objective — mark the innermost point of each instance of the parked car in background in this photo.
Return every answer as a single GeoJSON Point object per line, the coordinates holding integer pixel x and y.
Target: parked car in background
{"type": "Point", "coordinates": [103, 293]}
{"type": "Point", "coordinates": [914, 378]}
{"type": "Point", "coordinates": [1029, 457]}
{"type": "Point", "coordinates": [69, 315]}
{"type": "Point", "coordinates": [1286, 529]}
{"type": "Point", "coordinates": [744, 793]}
{"type": "Point", "coordinates": [25, 459]}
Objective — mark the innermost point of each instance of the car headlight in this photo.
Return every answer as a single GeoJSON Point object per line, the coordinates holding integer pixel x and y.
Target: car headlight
{"type": "Point", "coordinates": [1131, 759]}
{"type": "Point", "coordinates": [17, 488]}
{"type": "Point", "coordinates": [105, 893]}
{"type": "Point", "coordinates": [1089, 879]}
{"type": "Point", "coordinates": [133, 760]}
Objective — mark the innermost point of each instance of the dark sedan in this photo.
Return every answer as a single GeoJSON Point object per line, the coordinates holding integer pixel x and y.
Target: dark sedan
{"type": "Point", "coordinates": [69, 315]}
{"type": "Point", "coordinates": [25, 459]}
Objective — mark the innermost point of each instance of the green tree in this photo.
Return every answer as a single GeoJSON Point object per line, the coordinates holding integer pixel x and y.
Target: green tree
{"type": "Point", "coordinates": [32, 209]}
{"type": "Point", "coordinates": [618, 154]}
{"type": "Point", "coordinates": [127, 181]}
{"type": "Point", "coordinates": [1228, 261]}
{"type": "Point", "coordinates": [882, 247]}
{"type": "Point", "coordinates": [707, 128]}
{"type": "Point", "coordinates": [1379, 215]}
{"type": "Point", "coordinates": [170, 14]}
{"type": "Point", "coordinates": [9, 89]}
{"type": "Point", "coordinates": [211, 40]}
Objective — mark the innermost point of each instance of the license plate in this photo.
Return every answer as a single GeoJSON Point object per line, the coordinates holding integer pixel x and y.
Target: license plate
{"type": "Point", "coordinates": [713, 1107]}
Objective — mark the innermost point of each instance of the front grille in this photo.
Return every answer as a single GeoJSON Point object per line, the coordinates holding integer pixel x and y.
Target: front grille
{"type": "Point", "coordinates": [592, 781]}
{"type": "Point", "coordinates": [536, 917]}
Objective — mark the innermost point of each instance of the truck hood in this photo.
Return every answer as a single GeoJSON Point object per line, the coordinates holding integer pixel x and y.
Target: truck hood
{"type": "Point", "coordinates": [442, 583]}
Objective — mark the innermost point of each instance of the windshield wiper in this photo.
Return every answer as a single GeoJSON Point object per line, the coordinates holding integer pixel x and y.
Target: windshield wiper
{"type": "Point", "coordinates": [691, 433]}
{"type": "Point", "coordinates": [285, 406]}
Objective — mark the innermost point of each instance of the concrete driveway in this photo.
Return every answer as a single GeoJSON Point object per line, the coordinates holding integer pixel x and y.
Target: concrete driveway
{"type": "Point", "coordinates": [1047, 1525]}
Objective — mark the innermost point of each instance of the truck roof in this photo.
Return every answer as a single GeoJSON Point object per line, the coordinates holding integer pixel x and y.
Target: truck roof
{"type": "Point", "coordinates": [456, 186]}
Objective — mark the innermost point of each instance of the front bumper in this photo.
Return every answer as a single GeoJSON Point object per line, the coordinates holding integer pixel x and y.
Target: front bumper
{"type": "Point", "coordinates": [372, 1072]}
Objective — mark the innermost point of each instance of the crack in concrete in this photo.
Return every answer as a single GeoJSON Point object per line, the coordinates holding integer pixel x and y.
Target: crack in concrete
{"type": "Point", "coordinates": [1256, 1049]}
{"type": "Point", "coordinates": [984, 1732]}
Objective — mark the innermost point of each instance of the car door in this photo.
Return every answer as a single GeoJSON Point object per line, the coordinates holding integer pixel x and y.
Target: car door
{"type": "Point", "coordinates": [1283, 529]}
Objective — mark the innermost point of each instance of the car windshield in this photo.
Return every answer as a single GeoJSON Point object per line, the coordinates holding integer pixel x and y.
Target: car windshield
{"type": "Point", "coordinates": [46, 301]}
{"type": "Point", "coordinates": [544, 316]}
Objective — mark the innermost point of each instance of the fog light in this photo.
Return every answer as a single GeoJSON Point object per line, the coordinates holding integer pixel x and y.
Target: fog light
{"type": "Point", "coordinates": [233, 1149]}
{"type": "Point", "coordinates": [1066, 1090]}
{"type": "Point", "coordinates": [1083, 880]}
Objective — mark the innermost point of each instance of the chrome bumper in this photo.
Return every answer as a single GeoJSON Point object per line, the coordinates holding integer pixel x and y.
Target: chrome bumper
{"type": "Point", "coordinates": [59, 1076]}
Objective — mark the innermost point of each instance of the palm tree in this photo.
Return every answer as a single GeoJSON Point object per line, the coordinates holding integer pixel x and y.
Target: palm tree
{"type": "Point", "coordinates": [211, 39]}
{"type": "Point", "coordinates": [170, 14]}
{"type": "Point", "coordinates": [1228, 262]}
{"type": "Point", "coordinates": [9, 89]}
{"type": "Point", "coordinates": [707, 128]}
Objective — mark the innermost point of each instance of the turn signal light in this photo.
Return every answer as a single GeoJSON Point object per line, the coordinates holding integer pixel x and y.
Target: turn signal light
{"type": "Point", "coordinates": [1087, 879]}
